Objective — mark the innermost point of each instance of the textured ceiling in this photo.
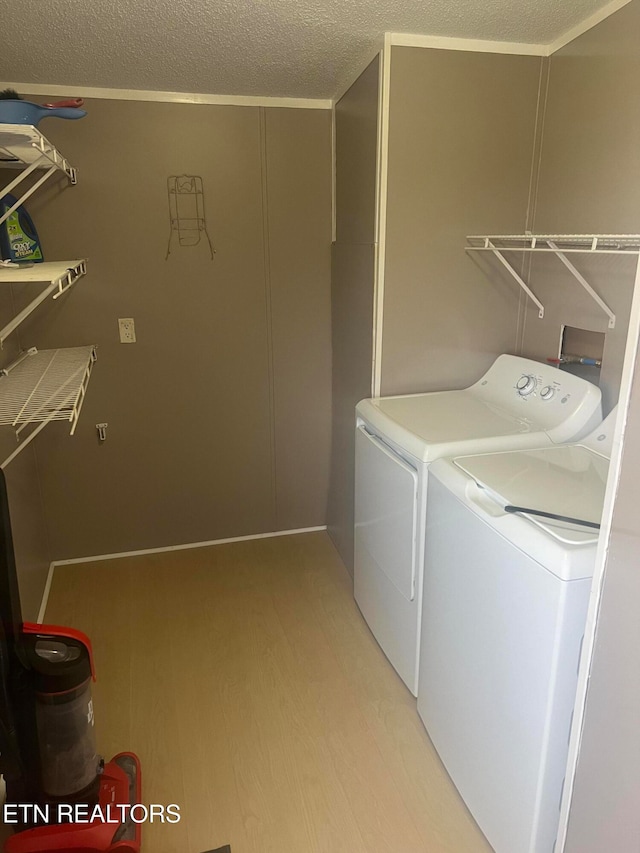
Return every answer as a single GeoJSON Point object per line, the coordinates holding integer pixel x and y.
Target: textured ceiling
{"type": "Point", "coordinates": [285, 48]}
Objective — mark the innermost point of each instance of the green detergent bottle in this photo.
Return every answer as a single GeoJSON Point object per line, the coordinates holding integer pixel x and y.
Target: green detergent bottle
{"type": "Point", "coordinates": [18, 236]}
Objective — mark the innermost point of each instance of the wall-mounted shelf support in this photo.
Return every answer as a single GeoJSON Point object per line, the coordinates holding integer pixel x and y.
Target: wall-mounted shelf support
{"type": "Point", "coordinates": [505, 263]}
{"type": "Point", "coordinates": [40, 387]}
{"type": "Point", "coordinates": [582, 280]}
{"type": "Point", "coordinates": [58, 276]}
{"type": "Point", "coordinates": [28, 193]}
{"type": "Point", "coordinates": [24, 147]}
{"type": "Point", "coordinates": [560, 245]}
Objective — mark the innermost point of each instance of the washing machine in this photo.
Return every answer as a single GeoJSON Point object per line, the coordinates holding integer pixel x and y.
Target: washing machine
{"type": "Point", "coordinates": [511, 541]}
{"type": "Point", "coordinates": [518, 403]}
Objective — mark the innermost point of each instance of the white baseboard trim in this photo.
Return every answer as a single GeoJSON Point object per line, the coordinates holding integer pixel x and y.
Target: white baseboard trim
{"type": "Point", "coordinates": [45, 594]}
{"type": "Point", "coordinates": [142, 552]}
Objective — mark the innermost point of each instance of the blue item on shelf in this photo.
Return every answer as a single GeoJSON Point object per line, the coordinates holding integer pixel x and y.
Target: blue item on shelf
{"type": "Point", "coordinates": [26, 112]}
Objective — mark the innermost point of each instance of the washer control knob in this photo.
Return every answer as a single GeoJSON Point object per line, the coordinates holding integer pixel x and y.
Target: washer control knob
{"type": "Point", "coordinates": [547, 392]}
{"type": "Point", "coordinates": [525, 385]}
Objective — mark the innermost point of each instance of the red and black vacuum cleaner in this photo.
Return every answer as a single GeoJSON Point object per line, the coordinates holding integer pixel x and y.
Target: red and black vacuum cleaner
{"type": "Point", "coordinates": [60, 795]}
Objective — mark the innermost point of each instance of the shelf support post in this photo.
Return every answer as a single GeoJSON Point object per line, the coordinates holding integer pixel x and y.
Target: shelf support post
{"type": "Point", "coordinates": [28, 193]}
{"type": "Point", "coordinates": [518, 278]}
{"type": "Point", "coordinates": [582, 280]}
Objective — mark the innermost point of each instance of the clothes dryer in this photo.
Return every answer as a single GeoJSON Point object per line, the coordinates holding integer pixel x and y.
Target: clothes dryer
{"type": "Point", "coordinates": [518, 403]}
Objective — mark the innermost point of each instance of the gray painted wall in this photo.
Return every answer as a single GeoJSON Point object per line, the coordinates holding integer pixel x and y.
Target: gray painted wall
{"type": "Point", "coordinates": [589, 180]}
{"type": "Point", "coordinates": [219, 416]}
{"type": "Point", "coordinates": [461, 151]}
{"type": "Point", "coordinates": [352, 292]}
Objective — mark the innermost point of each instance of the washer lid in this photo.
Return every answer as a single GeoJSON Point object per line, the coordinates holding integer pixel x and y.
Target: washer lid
{"type": "Point", "coordinates": [566, 480]}
{"type": "Point", "coordinates": [437, 424]}
{"type": "Point", "coordinates": [446, 423]}
{"type": "Point", "coordinates": [447, 416]}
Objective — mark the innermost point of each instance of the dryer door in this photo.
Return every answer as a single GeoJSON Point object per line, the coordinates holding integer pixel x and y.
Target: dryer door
{"type": "Point", "coordinates": [386, 512]}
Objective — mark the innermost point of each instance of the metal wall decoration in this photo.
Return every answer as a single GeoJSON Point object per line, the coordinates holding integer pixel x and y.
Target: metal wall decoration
{"type": "Point", "coordinates": [186, 211]}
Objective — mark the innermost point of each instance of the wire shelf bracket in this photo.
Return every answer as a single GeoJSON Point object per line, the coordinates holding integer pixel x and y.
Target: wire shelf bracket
{"type": "Point", "coordinates": [44, 386]}
{"type": "Point", "coordinates": [488, 246]}
{"type": "Point", "coordinates": [58, 276]}
{"type": "Point", "coordinates": [23, 147]}
{"type": "Point", "coordinates": [560, 245]}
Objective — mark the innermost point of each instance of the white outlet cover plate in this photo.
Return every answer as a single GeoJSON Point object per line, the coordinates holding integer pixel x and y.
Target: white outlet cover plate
{"type": "Point", "coordinates": [127, 329]}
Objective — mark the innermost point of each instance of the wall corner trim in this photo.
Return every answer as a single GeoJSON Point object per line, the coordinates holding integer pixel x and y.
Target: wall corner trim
{"type": "Point", "coordinates": [98, 557]}
{"type": "Point", "coordinates": [586, 25]}
{"type": "Point", "coordinates": [361, 66]}
{"type": "Point", "coordinates": [382, 168]}
{"type": "Point", "coordinates": [473, 45]}
{"type": "Point", "coordinates": [169, 97]}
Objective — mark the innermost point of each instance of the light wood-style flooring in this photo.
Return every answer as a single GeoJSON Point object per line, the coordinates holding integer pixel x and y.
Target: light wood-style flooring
{"type": "Point", "coordinates": [250, 686]}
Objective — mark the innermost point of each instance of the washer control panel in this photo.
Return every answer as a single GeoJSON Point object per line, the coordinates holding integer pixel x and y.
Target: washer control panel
{"type": "Point", "coordinates": [531, 385]}
{"type": "Point", "coordinates": [526, 385]}
{"type": "Point", "coordinates": [542, 396]}
{"type": "Point", "coordinates": [532, 389]}
{"type": "Point", "coordinates": [548, 391]}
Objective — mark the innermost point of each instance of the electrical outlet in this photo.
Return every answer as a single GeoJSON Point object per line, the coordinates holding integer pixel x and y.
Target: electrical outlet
{"type": "Point", "coordinates": [127, 330]}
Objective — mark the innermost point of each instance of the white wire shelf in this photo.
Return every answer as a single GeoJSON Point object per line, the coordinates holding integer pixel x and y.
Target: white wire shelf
{"type": "Point", "coordinates": [560, 245]}
{"type": "Point", "coordinates": [57, 276]}
{"type": "Point", "coordinates": [23, 147]}
{"type": "Point", "coordinates": [612, 244]}
{"type": "Point", "coordinates": [45, 386]}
